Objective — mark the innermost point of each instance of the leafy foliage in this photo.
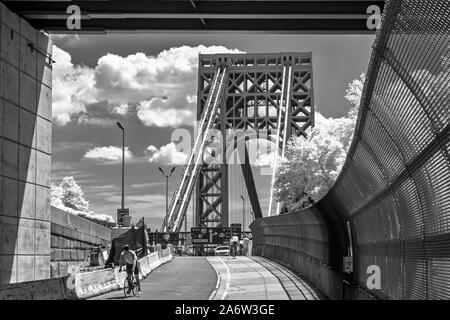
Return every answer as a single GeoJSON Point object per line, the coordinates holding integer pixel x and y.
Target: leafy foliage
{"type": "Point", "coordinates": [69, 196]}
{"type": "Point", "coordinates": [311, 165]}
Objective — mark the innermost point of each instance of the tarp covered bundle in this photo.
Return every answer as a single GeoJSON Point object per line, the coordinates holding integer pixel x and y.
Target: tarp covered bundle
{"type": "Point", "coordinates": [136, 238]}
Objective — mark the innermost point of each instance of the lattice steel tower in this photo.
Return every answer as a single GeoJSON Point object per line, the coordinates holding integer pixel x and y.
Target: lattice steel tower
{"type": "Point", "coordinates": [259, 92]}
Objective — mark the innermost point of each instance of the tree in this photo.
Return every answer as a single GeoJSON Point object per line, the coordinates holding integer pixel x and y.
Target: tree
{"type": "Point", "coordinates": [311, 165]}
{"type": "Point", "coordinates": [69, 196]}
{"type": "Point", "coordinates": [354, 93]}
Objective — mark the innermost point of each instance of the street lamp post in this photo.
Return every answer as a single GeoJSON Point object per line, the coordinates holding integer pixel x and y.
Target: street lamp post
{"type": "Point", "coordinates": [123, 163]}
{"type": "Point", "coordinates": [167, 190]}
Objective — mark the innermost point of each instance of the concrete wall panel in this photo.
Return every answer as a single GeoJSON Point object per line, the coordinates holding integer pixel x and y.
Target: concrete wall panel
{"type": "Point", "coordinates": [42, 270]}
{"type": "Point", "coordinates": [9, 197]}
{"type": "Point", "coordinates": [28, 58]}
{"type": "Point", "coordinates": [10, 82]}
{"type": "Point", "coordinates": [10, 42]}
{"type": "Point", "coordinates": [25, 237]}
{"type": "Point", "coordinates": [42, 203]}
{"type": "Point", "coordinates": [27, 128]}
{"type": "Point", "coordinates": [10, 152]}
{"type": "Point", "coordinates": [44, 135]}
{"type": "Point", "coordinates": [44, 99]}
{"type": "Point", "coordinates": [8, 269]}
{"type": "Point", "coordinates": [43, 169]}
{"type": "Point", "coordinates": [42, 238]}
{"type": "Point", "coordinates": [10, 121]}
{"type": "Point", "coordinates": [27, 164]}
{"type": "Point", "coordinates": [25, 268]}
{"type": "Point", "coordinates": [8, 234]}
{"type": "Point", "coordinates": [28, 32]}
{"type": "Point", "coordinates": [27, 92]}
{"type": "Point", "coordinates": [27, 207]}
{"type": "Point", "coordinates": [25, 150]}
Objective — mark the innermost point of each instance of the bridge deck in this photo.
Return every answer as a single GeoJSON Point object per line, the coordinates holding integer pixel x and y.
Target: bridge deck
{"type": "Point", "coordinates": [200, 278]}
{"type": "Point", "coordinates": [249, 278]}
{"type": "Point", "coordinates": [184, 278]}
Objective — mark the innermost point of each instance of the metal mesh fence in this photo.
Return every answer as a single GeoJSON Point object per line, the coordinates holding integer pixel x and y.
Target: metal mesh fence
{"type": "Point", "coordinates": [394, 188]}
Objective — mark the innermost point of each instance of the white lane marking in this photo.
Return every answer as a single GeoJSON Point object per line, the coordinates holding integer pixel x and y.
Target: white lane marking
{"type": "Point", "coordinates": [227, 286]}
{"type": "Point", "coordinates": [217, 282]}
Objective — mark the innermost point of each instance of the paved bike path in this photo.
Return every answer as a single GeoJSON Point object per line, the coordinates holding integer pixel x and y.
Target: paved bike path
{"type": "Point", "coordinates": [184, 278]}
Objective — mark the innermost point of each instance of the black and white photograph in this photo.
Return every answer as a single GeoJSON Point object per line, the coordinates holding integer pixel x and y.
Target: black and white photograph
{"type": "Point", "coordinates": [223, 156]}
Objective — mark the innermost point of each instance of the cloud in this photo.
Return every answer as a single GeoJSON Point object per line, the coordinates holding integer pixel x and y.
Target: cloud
{"type": "Point", "coordinates": [158, 112]}
{"type": "Point", "coordinates": [102, 187]}
{"type": "Point", "coordinates": [71, 145]}
{"type": "Point", "coordinates": [167, 155]}
{"type": "Point", "coordinates": [160, 89]}
{"type": "Point", "coordinates": [122, 109]}
{"type": "Point", "coordinates": [73, 87]}
{"type": "Point", "coordinates": [108, 153]}
{"type": "Point", "coordinates": [146, 185]}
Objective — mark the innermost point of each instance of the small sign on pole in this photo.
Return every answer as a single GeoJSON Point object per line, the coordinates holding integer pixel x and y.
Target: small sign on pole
{"type": "Point", "coordinates": [348, 264]}
{"type": "Point", "coordinates": [122, 220]}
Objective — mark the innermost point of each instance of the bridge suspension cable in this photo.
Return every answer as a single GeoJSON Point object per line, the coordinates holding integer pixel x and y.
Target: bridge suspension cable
{"type": "Point", "coordinates": [185, 187]}
{"type": "Point", "coordinates": [282, 130]}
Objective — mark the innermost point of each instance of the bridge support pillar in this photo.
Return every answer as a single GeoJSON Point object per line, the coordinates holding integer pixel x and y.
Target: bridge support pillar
{"type": "Point", "coordinates": [25, 150]}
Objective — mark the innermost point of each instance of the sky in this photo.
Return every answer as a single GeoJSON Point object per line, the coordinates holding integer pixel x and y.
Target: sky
{"type": "Point", "coordinates": [148, 82]}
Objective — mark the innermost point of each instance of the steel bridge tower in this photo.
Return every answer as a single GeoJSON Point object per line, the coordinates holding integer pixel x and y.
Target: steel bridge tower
{"type": "Point", "coordinates": [249, 92]}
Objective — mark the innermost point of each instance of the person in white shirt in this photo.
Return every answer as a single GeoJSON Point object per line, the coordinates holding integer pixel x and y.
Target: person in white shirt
{"type": "Point", "coordinates": [129, 259]}
{"type": "Point", "coordinates": [234, 245]}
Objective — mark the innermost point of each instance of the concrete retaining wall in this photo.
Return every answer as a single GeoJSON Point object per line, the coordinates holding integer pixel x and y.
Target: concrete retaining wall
{"type": "Point", "coordinates": [25, 150]}
{"type": "Point", "coordinates": [81, 285]}
{"type": "Point", "coordinates": [72, 238]}
{"type": "Point", "coordinates": [78, 228]}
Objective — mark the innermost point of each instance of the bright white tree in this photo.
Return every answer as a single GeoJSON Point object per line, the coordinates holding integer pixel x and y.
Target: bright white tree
{"type": "Point", "coordinates": [311, 165]}
{"type": "Point", "coordinates": [69, 196]}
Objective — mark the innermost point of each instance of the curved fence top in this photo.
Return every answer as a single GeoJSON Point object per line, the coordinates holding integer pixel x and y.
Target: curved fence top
{"type": "Point", "coordinates": [394, 188]}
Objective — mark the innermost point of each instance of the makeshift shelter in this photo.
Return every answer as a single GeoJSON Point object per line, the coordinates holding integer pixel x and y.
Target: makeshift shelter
{"type": "Point", "coordinates": [136, 238]}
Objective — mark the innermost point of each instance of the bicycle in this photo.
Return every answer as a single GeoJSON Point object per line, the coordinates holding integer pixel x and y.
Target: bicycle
{"type": "Point", "coordinates": [130, 279]}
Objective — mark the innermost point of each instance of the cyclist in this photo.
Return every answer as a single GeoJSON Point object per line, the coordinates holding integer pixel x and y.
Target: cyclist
{"type": "Point", "coordinates": [129, 258]}
{"type": "Point", "coordinates": [234, 245]}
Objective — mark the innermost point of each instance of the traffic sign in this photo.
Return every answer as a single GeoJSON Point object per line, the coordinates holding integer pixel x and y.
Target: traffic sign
{"type": "Point", "coordinates": [123, 217]}
{"type": "Point", "coordinates": [202, 235]}
{"type": "Point", "coordinates": [171, 237]}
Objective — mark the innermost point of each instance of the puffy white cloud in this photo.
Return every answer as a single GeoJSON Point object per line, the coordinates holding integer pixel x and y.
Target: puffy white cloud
{"type": "Point", "coordinates": [151, 83]}
{"type": "Point", "coordinates": [122, 109]}
{"type": "Point", "coordinates": [108, 153]}
{"type": "Point", "coordinates": [73, 87]}
{"type": "Point", "coordinates": [167, 155]}
{"type": "Point", "coordinates": [158, 112]}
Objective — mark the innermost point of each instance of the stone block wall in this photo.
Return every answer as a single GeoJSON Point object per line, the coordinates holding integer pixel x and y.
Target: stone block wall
{"type": "Point", "coordinates": [25, 150]}
{"type": "Point", "coordinates": [72, 239]}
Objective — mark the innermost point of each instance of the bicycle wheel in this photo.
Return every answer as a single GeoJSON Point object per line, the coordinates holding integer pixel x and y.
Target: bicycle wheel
{"type": "Point", "coordinates": [134, 285]}
{"type": "Point", "coordinates": [126, 287]}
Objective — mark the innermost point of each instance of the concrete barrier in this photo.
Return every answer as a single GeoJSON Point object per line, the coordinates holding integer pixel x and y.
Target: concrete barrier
{"type": "Point", "coordinates": [51, 289]}
{"type": "Point", "coordinates": [81, 285]}
{"type": "Point", "coordinates": [89, 284]}
{"type": "Point", "coordinates": [149, 263]}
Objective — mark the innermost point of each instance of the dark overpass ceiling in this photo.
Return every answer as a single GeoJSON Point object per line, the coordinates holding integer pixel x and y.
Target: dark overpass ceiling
{"type": "Point", "coordinates": [257, 16]}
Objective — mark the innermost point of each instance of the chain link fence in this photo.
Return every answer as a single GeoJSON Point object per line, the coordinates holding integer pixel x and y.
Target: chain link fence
{"type": "Point", "coordinates": [394, 188]}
